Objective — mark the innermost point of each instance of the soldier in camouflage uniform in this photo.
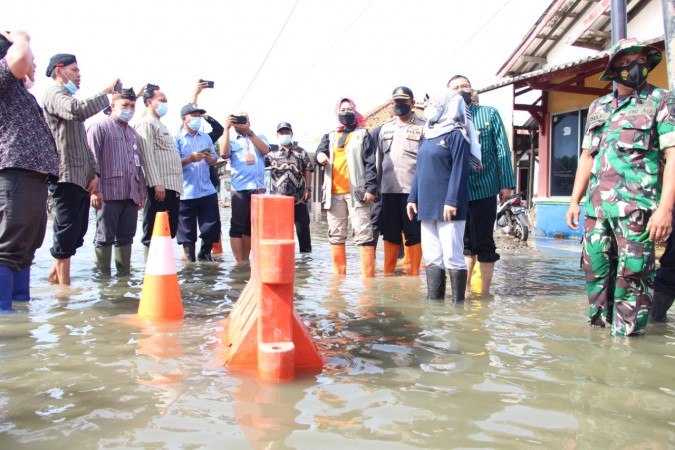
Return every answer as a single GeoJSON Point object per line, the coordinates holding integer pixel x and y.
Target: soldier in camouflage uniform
{"type": "Point", "coordinates": [629, 133]}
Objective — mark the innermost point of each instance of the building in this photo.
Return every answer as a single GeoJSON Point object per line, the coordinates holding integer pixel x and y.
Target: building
{"type": "Point", "coordinates": [554, 74]}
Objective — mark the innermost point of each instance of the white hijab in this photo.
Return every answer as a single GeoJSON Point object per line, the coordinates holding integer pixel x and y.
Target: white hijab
{"type": "Point", "coordinates": [448, 112]}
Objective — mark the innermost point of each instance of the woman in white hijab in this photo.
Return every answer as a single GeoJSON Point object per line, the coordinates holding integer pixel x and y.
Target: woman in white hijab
{"type": "Point", "coordinates": [439, 193]}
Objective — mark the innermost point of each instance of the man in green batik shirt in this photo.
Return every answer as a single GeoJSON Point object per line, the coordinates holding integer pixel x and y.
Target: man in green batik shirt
{"type": "Point", "coordinates": [630, 195]}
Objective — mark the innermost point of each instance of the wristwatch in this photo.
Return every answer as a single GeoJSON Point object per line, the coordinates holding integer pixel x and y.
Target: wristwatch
{"type": "Point", "coordinates": [308, 188]}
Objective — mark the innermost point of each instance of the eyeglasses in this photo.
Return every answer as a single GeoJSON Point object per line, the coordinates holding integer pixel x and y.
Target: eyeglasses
{"type": "Point", "coordinates": [462, 87]}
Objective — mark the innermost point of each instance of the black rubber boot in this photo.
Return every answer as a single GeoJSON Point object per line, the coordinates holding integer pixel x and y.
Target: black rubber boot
{"type": "Point", "coordinates": [435, 283]}
{"type": "Point", "coordinates": [661, 302]}
{"type": "Point", "coordinates": [205, 252]}
{"type": "Point", "coordinates": [189, 250]}
{"type": "Point", "coordinates": [458, 283]}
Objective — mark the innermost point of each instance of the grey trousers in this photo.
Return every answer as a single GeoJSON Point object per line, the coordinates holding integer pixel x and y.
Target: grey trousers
{"type": "Point", "coordinates": [23, 216]}
{"type": "Point", "coordinates": [116, 223]}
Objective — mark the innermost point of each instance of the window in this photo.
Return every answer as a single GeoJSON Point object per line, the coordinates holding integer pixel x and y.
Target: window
{"type": "Point", "coordinates": [567, 131]}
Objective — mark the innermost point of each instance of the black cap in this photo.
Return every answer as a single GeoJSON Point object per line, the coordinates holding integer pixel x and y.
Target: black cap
{"type": "Point", "coordinates": [402, 92]}
{"type": "Point", "coordinates": [283, 125]}
{"type": "Point", "coordinates": [127, 94]}
{"type": "Point", "coordinates": [190, 108]}
{"type": "Point", "coordinates": [60, 60]}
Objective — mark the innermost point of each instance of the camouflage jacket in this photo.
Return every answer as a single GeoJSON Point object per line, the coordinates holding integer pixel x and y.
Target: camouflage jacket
{"type": "Point", "coordinates": [626, 142]}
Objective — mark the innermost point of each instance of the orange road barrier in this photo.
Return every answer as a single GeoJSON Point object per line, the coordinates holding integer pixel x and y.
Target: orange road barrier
{"type": "Point", "coordinates": [263, 331]}
{"type": "Point", "coordinates": [217, 248]}
{"type": "Point", "coordinates": [160, 296]}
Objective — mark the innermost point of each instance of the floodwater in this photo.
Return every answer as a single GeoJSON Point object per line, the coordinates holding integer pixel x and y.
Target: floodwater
{"type": "Point", "coordinates": [518, 370]}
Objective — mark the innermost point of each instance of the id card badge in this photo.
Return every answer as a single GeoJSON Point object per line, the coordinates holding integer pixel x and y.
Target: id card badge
{"type": "Point", "coordinates": [250, 160]}
{"type": "Point", "coordinates": [137, 161]}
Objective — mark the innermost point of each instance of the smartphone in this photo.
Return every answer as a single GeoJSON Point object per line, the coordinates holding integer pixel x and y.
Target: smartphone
{"type": "Point", "coordinates": [209, 85]}
{"type": "Point", "coordinates": [240, 120]}
{"type": "Point", "coordinates": [206, 151]}
{"type": "Point", "coordinates": [118, 87]}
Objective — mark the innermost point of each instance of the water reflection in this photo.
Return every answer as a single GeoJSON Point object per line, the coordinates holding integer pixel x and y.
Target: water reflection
{"type": "Point", "coordinates": [519, 369]}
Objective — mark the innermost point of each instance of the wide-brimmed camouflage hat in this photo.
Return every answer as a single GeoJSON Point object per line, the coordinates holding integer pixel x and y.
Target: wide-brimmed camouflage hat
{"type": "Point", "coordinates": [629, 46]}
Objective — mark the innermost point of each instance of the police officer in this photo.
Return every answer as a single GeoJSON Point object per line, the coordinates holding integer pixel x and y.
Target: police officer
{"type": "Point", "coordinates": [397, 145]}
{"type": "Point", "coordinates": [628, 133]}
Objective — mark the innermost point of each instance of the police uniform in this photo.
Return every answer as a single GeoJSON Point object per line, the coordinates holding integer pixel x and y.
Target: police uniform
{"type": "Point", "coordinates": [397, 146]}
{"type": "Point", "coordinates": [626, 138]}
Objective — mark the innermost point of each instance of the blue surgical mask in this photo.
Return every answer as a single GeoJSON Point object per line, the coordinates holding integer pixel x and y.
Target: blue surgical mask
{"type": "Point", "coordinates": [71, 87]}
{"type": "Point", "coordinates": [285, 139]}
{"type": "Point", "coordinates": [195, 123]}
{"type": "Point", "coordinates": [124, 115]}
{"type": "Point", "coordinates": [162, 109]}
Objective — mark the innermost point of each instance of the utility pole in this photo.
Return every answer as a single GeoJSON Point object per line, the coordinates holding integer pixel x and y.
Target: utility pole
{"type": "Point", "coordinates": [669, 27]}
{"type": "Point", "coordinates": [619, 20]}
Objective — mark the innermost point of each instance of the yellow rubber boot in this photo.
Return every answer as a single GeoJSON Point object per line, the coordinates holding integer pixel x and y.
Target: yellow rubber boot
{"type": "Point", "coordinates": [390, 256]}
{"type": "Point", "coordinates": [339, 259]}
{"type": "Point", "coordinates": [367, 261]}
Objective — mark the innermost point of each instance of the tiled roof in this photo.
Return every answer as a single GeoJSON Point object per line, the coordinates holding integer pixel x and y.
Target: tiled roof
{"type": "Point", "coordinates": [382, 113]}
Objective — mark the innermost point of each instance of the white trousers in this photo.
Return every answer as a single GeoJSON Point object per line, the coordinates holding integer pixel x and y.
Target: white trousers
{"type": "Point", "coordinates": [443, 243]}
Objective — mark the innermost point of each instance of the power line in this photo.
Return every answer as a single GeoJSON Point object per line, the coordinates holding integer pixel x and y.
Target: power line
{"type": "Point", "coordinates": [267, 55]}
{"type": "Point", "coordinates": [463, 44]}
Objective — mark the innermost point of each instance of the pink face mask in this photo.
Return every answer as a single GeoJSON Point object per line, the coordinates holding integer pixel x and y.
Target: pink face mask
{"type": "Point", "coordinates": [27, 82]}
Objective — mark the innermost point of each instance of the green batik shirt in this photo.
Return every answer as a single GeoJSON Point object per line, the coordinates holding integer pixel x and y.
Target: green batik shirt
{"type": "Point", "coordinates": [497, 171]}
{"type": "Point", "coordinates": [626, 142]}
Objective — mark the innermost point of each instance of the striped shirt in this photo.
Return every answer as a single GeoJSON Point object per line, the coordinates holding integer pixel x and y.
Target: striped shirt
{"type": "Point", "coordinates": [116, 147]}
{"type": "Point", "coordinates": [65, 116]}
{"type": "Point", "coordinates": [497, 171]}
{"type": "Point", "coordinates": [161, 161]}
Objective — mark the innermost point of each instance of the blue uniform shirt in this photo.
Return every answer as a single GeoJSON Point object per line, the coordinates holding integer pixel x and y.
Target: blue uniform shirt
{"type": "Point", "coordinates": [245, 177]}
{"type": "Point", "coordinates": [196, 179]}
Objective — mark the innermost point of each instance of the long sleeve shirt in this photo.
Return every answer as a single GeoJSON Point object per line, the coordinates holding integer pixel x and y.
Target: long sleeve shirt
{"type": "Point", "coordinates": [66, 115]}
{"type": "Point", "coordinates": [497, 171]}
{"type": "Point", "coordinates": [25, 140]}
{"type": "Point", "coordinates": [196, 177]}
{"type": "Point", "coordinates": [116, 147]}
{"type": "Point", "coordinates": [440, 178]}
{"type": "Point", "coordinates": [160, 159]}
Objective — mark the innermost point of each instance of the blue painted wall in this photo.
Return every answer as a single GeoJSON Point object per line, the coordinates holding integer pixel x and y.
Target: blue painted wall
{"type": "Point", "coordinates": [551, 220]}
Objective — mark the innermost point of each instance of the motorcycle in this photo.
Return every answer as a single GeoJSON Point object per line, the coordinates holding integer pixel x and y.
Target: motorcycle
{"type": "Point", "coordinates": [512, 218]}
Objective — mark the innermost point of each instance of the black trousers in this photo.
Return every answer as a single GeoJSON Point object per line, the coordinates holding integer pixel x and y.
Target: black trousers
{"type": "Point", "coordinates": [116, 223]}
{"type": "Point", "coordinates": [301, 215]}
{"type": "Point", "coordinates": [71, 218]}
{"type": "Point", "coordinates": [23, 217]}
{"type": "Point", "coordinates": [170, 204]}
{"type": "Point", "coordinates": [202, 212]}
{"type": "Point", "coordinates": [478, 238]}
{"type": "Point", "coordinates": [395, 220]}
{"type": "Point", "coordinates": [665, 276]}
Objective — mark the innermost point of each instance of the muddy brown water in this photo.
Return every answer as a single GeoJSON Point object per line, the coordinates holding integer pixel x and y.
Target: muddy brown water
{"type": "Point", "coordinates": [517, 370]}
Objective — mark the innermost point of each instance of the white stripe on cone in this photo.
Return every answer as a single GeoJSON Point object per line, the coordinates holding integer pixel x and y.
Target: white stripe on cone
{"type": "Point", "coordinates": [160, 257]}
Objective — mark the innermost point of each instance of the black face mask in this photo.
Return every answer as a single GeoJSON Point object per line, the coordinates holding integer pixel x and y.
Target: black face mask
{"type": "Point", "coordinates": [633, 75]}
{"type": "Point", "coordinates": [401, 109]}
{"type": "Point", "coordinates": [467, 97]}
{"type": "Point", "coordinates": [346, 118]}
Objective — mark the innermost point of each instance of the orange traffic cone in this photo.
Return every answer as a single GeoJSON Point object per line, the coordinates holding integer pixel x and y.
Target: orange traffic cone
{"type": "Point", "coordinates": [160, 296]}
{"type": "Point", "coordinates": [217, 248]}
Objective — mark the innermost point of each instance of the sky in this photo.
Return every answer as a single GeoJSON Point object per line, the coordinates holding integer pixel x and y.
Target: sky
{"type": "Point", "coordinates": [278, 60]}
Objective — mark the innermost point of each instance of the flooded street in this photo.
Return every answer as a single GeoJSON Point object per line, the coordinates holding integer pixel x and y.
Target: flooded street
{"type": "Point", "coordinates": [517, 370]}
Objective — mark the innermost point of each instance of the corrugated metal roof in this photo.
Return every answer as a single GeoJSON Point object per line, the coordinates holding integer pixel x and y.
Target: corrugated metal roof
{"type": "Point", "coordinates": [588, 23]}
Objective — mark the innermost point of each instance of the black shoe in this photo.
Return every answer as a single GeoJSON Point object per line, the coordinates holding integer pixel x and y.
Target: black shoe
{"type": "Point", "coordinates": [660, 304]}
{"type": "Point", "coordinates": [458, 283]}
{"type": "Point", "coordinates": [435, 283]}
{"type": "Point", "coordinates": [205, 252]}
{"type": "Point", "coordinates": [189, 250]}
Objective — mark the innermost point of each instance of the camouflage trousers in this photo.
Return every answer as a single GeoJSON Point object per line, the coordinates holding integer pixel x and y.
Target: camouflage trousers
{"type": "Point", "coordinates": [618, 259]}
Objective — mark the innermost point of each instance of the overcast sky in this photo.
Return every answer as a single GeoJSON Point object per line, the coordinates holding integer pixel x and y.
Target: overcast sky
{"type": "Point", "coordinates": [361, 49]}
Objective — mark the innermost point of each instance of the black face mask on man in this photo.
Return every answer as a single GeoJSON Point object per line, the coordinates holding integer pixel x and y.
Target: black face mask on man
{"type": "Point", "coordinates": [401, 109]}
{"type": "Point", "coordinates": [632, 75]}
{"type": "Point", "coordinates": [346, 118]}
{"type": "Point", "coordinates": [466, 96]}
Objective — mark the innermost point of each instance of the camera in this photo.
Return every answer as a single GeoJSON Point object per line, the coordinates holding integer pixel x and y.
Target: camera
{"type": "Point", "coordinates": [209, 85]}
{"type": "Point", "coordinates": [240, 120]}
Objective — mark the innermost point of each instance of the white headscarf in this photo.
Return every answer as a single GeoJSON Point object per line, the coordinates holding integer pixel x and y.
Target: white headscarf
{"type": "Point", "coordinates": [448, 112]}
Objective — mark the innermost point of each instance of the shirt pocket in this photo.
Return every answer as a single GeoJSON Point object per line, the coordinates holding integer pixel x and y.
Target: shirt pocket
{"type": "Point", "coordinates": [635, 135]}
